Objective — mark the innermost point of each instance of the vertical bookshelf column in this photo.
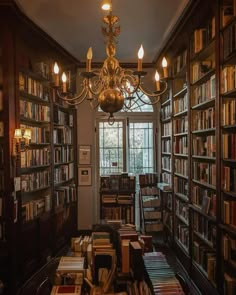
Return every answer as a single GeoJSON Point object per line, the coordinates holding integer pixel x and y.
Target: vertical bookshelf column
{"type": "Point", "coordinates": [228, 148]}
{"type": "Point", "coordinates": [203, 150]}
{"type": "Point", "coordinates": [180, 153]}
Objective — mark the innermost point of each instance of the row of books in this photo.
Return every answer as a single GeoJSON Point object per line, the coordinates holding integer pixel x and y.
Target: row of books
{"type": "Point", "coordinates": [35, 208]}
{"type": "Point", "coordinates": [181, 145]}
{"type": "Point", "coordinates": [200, 69]}
{"type": "Point", "coordinates": [33, 86]}
{"type": "Point", "coordinates": [204, 172]}
{"type": "Point", "coordinates": [229, 249]}
{"type": "Point", "coordinates": [161, 276]}
{"type": "Point", "coordinates": [118, 182]}
{"type": "Point", "coordinates": [229, 178]}
{"type": "Point", "coordinates": [229, 41]}
{"type": "Point", "coordinates": [38, 134]}
{"type": "Point", "coordinates": [204, 92]}
{"type": "Point", "coordinates": [182, 234]}
{"type": "Point", "coordinates": [229, 212]}
{"type": "Point", "coordinates": [229, 112]}
{"type": "Point", "coordinates": [206, 259]}
{"type": "Point", "coordinates": [228, 12]}
{"type": "Point", "coordinates": [152, 214]}
{"type": "Point", "coordinates": [65, 195]}
{"type": "Point", "coordinates": [181, 186]}
{"type": "Point", "coordinates": [154, 226]}
{"type": "Point", "coordinates": [151, 202]}
{"type": "Point", "coordinates": [167, 178]}
{"type": "Point", "coordinates": [179, 62]}
{"type": "Point", "coordinates": [181, 104]}
{"type": "Point", "coordinates": [34, 181]}
{"type": "Point", "coordinates": [202, 36]}
{"type": "Point", "coordinates": [204, 119]}
{"type": "Point", "coordinates": [62, 117]}
{"type": "Point", "coordinates": [180, 125]}
{"type": "Point", "coordinates": [35, 157]}
{"type": "Point", "coordinates": [34, 111]}
{"type": "Point", "coordinates": [166, 163]}
{"type": "Point", "coordinates": [149, 190]}
{"type": "Point", "coordinates": [205, 200]}
{"type": "Point", "coordinates": [63, 154]}
{"type": "Point", "coordinates": [118, 213]}
{"type": "Point", "coordinates": [204, 146]}
{"type": "Point", "coordinates": [228, 79]}
{"type": "Point", "coordinates": [181, 209]}
{"type": "Point", "coordinates": [167, 129]}
{"type": "Point", "coordinates": [166, 145]}
{"type": "Point", "coordinates": [62, 135]}
{"type": "Point", "coordinates": [166, 112]}
{"type": "Point", "coordinates": [229, 146]}
{"type": "Point", "coordinates": [63, 173]}
{"type": "Point", "coordinates": [205, 228]}
{"type": "Point", "coordinates": [181, 166]}
{"type": "Point", "coordinates": [117, 199]}
{"type": "Point", "coordinates": [167, 201]}
{"type": "Point", "coordinates": [148, 179]}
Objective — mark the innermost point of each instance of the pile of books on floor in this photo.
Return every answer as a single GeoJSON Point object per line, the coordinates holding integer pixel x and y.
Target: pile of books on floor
{"type": "Point", "coordinates": [161, 278]}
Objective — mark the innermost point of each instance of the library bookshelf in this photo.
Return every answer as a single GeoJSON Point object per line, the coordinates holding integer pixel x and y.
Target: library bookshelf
{"type": "Point", "coordinates": [201, 144]}
{"type": "Point", "coordinates": [117, 197]}
{"type": "Point", "coordinates": [38, 200]}
{"type": "Point", "coordinates": [150, 204]}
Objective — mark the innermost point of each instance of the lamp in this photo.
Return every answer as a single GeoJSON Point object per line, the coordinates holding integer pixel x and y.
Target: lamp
{"type": "Point", "coordinates": [21, 140]}
{"type": "Point", "coordinates": [112, 87]}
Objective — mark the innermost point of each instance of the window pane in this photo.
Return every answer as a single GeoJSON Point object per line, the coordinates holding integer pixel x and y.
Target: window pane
{"type": "Point", "coordinates": [111, 147]}
{"type": "Point", "coordinates": [141, 148]}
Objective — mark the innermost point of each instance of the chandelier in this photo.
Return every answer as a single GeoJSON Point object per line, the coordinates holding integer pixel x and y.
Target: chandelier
{"type": "Point", "coordinates": [112, 88]}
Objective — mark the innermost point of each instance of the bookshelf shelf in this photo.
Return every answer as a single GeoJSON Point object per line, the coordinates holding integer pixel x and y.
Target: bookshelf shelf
{"type": "Point", "coordinates": [207, 185]}
{"type": "Point", "coordinates": [166, 120]}
{"type": "Point", "coordinates": [204, 78]}
{"type": "Point", "coordinates": [207, 103]}
{"type": "Point", "coordinates": [203, 239]}
{"type": "Point", "coordinates": [166, 154]}
{"type": "Point", "coordinates": [205, 52]}
{"type": "Point", "coordinates": [203, 158]}
{"type": "Point", "coordinates": [165, 136]}
{"type": "Point", "coordinates": [35, 190]}
{"type": "Point", "coordinates": [180, 114]}
{"type": "Point", "coordinates": [180, 134]}
{"type": "Point", "coordinates": [210, 130]}
{"type": "Point", "coordinates": [200, 211]}
{"type": "Point", "coordinates": [180, 93]}
{"type": "Point", "coordinates": [183, 247]}
{"type": "Point", "coordinates": [166, 170]}
{"type": "Point", "coordinates": [166, 102]}
{"type": "Point", "coordinates": [181, 155]}
{"type": "Point", "coordinates": [182, 197]}
{"type": "Point", "coordinates": [229, 193]}
{"type": "Point", "coordinates": [182, 219]}
{"type": "Point", "coordinates": [181, 175]}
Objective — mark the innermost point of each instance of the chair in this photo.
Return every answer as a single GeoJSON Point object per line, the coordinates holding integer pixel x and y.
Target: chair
{"type": "Point", "coordinates": [44, 288]}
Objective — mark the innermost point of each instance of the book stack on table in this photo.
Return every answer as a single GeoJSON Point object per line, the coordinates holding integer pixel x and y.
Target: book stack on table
{"type": "Point", "coordinates": [161, 277]}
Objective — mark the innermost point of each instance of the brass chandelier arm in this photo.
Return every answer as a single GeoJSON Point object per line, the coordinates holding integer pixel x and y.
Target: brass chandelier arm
{"type": "Point", "coordinates": [154, 94]}
{"type": "Point", "coordinates": [73, 100]}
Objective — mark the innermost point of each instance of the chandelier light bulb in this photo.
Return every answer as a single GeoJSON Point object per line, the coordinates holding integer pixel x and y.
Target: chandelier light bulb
{"type": "Point", "coordinates": [56, 68]}
{"type": "Point", "coordinates": [164, 65]}
{"type": "Point", "coordinates": [157, 79]}
{"type": "Point", "coordinates": [89, 59]}
{"type": "Point", "coordinates": [64, 79]}
{"type": "Point", "coordinates": [106, 5]}
{"type": "Point", "coordinates": [140, 57]}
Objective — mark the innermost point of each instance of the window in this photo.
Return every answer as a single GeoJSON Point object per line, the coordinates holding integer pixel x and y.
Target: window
{"type": "Point", "coordinates": [127, 145]}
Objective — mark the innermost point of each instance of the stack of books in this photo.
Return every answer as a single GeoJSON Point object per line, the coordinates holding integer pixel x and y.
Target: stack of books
{"type": "Point", "coordinates": [161, 277]}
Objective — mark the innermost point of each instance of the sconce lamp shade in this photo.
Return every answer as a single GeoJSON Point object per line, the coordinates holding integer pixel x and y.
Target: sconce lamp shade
{"type": "Point", "coordinates": [18, 134]}
{"type": "Point", "coordinates": [27, 134]}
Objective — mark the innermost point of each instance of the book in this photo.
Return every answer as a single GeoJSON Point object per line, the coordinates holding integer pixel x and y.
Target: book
{"type": "Point", "coordinates": [66, 290]}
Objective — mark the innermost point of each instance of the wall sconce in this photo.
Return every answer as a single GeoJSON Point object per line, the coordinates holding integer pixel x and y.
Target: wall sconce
{"type": "Point", "coordinates": [21, 140]}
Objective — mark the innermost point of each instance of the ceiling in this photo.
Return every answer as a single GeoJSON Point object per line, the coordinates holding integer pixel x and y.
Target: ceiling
{"type": "Point", "coordinates": [76, 25]}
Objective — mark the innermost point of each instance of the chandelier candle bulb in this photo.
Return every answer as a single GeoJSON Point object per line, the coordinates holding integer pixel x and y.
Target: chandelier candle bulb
{"type": "Point", "coordinates": [140, 57]}
{"type": "Point", "coordinates": [64, 79]}
{"type": "Point", "coordinates": [56, 74]}
{"type": "Point", "coordinates": [157, 79]}
{"type": "Point", "coordinates": [89, 59]}
{"type": "Point", "coordinates": [164, 65]}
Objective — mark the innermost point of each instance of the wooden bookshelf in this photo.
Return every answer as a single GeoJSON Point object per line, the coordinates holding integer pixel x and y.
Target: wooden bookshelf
{"type": "Point", "coordinates": [32, 228]}
{"type": "Point", "coordinates": [204, 185]}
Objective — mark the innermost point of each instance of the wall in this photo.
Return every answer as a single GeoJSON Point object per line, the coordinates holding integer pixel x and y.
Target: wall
{"type": "Point", "coordinates": [88, 198]}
